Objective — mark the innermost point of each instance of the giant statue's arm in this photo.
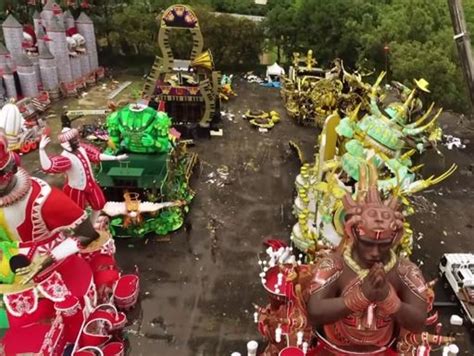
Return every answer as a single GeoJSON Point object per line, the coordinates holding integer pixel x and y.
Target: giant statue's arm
{"type": "Point", "coordinates": [413, 311]}
{"type": "Point", "coordinates": [324, 305]}
{"type": "Point", "coordinates": [95, 156]}
{"type": "Point", "coordinates": [53, 164]}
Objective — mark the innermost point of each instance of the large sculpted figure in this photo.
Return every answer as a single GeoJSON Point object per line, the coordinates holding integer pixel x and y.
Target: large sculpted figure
{"type": "Point", "coordinates": [75, 161]}
{"type": "Point", "coordinates": [55, 270]}
{"type": "Point", "coordinates": [36, 254]}
{"type": "Point", "coordinates": [361, 298]}
{"type": "Point", "coordinates": [138, 128]}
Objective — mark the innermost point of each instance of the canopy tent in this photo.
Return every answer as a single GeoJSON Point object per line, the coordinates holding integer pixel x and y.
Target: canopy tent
{"type": "Point", "coordinates": [274, 72]}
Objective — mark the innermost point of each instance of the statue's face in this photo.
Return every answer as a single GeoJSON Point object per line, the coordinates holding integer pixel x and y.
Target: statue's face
{"type": "Point", "coordinates": [74, 143]}
{"type": "Point", "coordinates": [6, 175]}
{"type": "Point", "coordinates": [374, 236]}
{"type": "Point", "coordinates": [377, 223]}
{"type": "Point", "coordinates": [71, 145]}
{"type": "Point", "coordinates": [371, 251]}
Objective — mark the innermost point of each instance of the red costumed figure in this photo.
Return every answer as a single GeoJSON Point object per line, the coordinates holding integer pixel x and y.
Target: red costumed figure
{"type": "Point", "coordinates": [75, 161]}
{"type": "Point", "coordinates": [54, 269]}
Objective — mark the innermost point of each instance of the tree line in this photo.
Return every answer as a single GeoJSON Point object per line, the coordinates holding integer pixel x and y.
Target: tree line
{"type": "Point", "coordinates": [408, 38]}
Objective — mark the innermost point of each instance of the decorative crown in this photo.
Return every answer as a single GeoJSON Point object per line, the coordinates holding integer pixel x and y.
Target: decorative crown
{"type": "Point", "coordinates": [369, 216]}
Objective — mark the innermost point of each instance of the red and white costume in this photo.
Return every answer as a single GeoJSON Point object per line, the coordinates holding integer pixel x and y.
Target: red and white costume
{"type": "Point", "coordinates": [81, 185]}
{"type": "Point", "coordinates": [35, 215]}
{"type": "Point", "coordinates": [51, 311]}
{"type": "Point", "coordinates": [37, 218]}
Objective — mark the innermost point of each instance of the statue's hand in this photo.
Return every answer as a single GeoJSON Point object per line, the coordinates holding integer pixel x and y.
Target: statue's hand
{"type": "Point", "coordinates": [375, 286]}
{"type": "Point", "coordinates": [121, 157]}
{"type": "Point", "coordinates": [44, 142]}
{"type": "Point", "coordinates": [36, 266]}
{"type": "Point", "coordinates": [181, 202]}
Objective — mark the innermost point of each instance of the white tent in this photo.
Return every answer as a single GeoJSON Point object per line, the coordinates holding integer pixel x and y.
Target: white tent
{"type": "Point", "coordinates": [274, 71]}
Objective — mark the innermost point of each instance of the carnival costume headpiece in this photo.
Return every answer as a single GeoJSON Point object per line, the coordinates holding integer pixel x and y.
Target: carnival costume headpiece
{"type": "Point", "coordinates": [369, 216]}
{"type": "Point", "coordinates": [422, 84]}
{"type": "Point", "coordinates": [67, 134]}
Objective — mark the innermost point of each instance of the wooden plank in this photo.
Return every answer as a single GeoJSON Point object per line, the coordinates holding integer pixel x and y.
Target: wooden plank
{"type": "Point", "coordinates": [118, 90]}
{"type": "Point", "coordinates": [73, 113]}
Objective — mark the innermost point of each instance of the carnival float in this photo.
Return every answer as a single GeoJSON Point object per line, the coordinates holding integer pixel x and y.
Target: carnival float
{"type": "Point", "coordinates": [359, 298]}
{"type": "Point", "coordinates": [393, 136]}
{"type": "Point", "coordinates": [149, 190]}
{"type": "Point", "coordinates": [22, 125]}
{"type": "Point", "coordinates": [189, 87]}
{"type": "Point", "coordinates": [56, 55]}
{"type": "Point", "coordinates": [297, 86]}
{"type": "Point", "coordinates": [352, 201]}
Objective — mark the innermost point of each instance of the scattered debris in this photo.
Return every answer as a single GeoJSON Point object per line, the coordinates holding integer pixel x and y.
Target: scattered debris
{"type": "Point", "coordinates": [221, 178]}
{"type": "Point", "coordinates": [456, 320]}
{"type": "Point", "coordinates": [468, 171]}
{"type": "Point", "coordinates": [273, 84]}
{"type": "Point", "coordinates": [423, 205]}
{"type": "Point", "coordinates": [451, 141]}
{"type": "Point", "coordinates": [262, 119]}
{"type": "Point", "coordinates": [219, 132]}
{"type": "Point", "coordinates": [223, 172]}
{"type": "Point", "coordinates": [252, 78]}
{"type": "Point", "coordinates": [228, 115]}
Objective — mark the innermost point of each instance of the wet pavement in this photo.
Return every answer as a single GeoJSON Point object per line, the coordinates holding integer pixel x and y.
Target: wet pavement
{"type": "Point", "coordinates": [198, 290]}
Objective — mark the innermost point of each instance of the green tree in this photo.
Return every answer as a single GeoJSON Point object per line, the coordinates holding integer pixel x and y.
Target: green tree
{"type": "Point", "coordinates": [417, 32]}
{"type": "Point", "coordinates": [281, 27]}
{"type": "Point", "coordinates": [133, 29]}
{"type": "Point", "coordinates": [232, 41]}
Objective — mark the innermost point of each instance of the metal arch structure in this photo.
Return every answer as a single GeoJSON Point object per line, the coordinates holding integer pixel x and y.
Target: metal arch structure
{"type": "Point", "coordinates": [178, 18]}
{"type": "Point", "coordinates": [182, 18]}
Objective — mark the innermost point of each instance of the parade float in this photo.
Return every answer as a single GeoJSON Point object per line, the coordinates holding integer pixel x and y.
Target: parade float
{"type": "Point", "coordinates": [332, 306]}
{"type": "Point", "coordinates": [62, 290]}
{"type": "Point", "coordinates": [393, 137]}
{"type": "Point", "coordinates": [311, 94]}
{"type": "Point", "coordinates": [190, 88]}
{"type": "Point", "coordinates": [332, 291]}
{"type": "Point", "coordinates": [22, 125]}
{"type": "Point", "coordinates": [149, 191]}
{"type": "Point", "coordinates": [297, 86]}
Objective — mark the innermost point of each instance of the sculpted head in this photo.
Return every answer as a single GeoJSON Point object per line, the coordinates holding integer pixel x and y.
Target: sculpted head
{"type": "Point", "coordinates": [372, 224]}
